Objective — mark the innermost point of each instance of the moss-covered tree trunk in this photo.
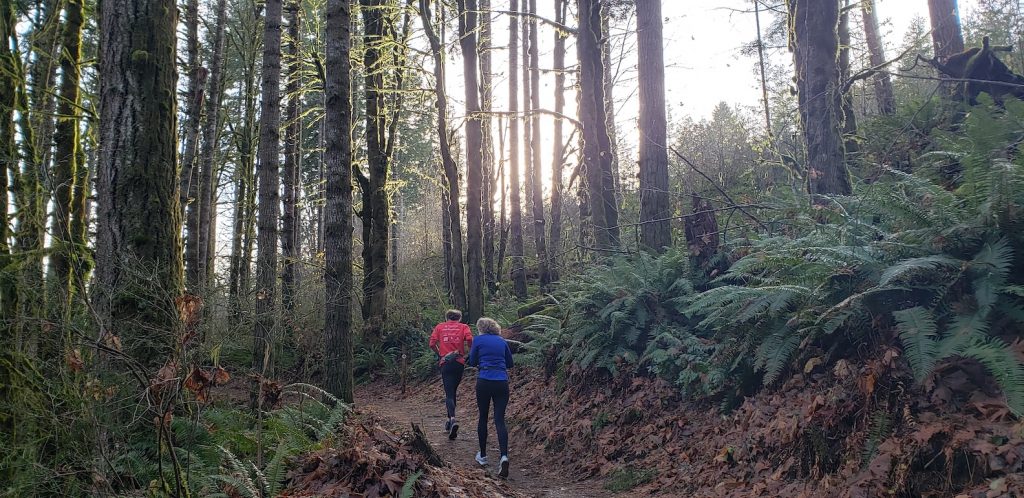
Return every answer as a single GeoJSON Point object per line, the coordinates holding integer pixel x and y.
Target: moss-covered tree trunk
{"type": "Point", "coordinates": [376, 210]}
{"type": "Point", "coordinates": [292, 156]}
{"type": "Point", "coordinates": [814, 39]}
{"type": "Point", "coordinates": [139, 266]}
{"type": "Point", "coordinates": [188, 189]}
{"type": "Point", "coordinates": [66, 161]}
{"type": "Point", "coordinates": [655, 207]}
{"type": "Point", "coordinates": [8, 162]}
{"type": "Point", "coordinates": [597, 149]}
{"type": "Point", "coordinates": [486, 106]}
{"type": "Point", "coordinates": [268, 185]}
{"type": "Point", "coordinates": [337, 212]}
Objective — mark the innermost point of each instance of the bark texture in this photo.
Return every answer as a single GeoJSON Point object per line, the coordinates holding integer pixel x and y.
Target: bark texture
{"type": "Point", "coordinates": [539, 237]}
{"type": "Point", "coordinates": [290, 176]}
{"type": "Point", "coordinates": [558, 147]}
{"type": "Point", "coordinates": [597, 150]}
{"type": "Point", "coordinates": [207, 234]}
{"type": "Point", "coordinates": [876, 53]}
{"type": "Point", "coordinates": [655, 207]}
{"type": "Point", "coordinates": [338, 208]}
{"type": "Point", "coordinates": [474, 161]}
{"type": "Point", "coordinates": [139, 267]}
{"type": "Point", "coordinates": [268, 184]}
{"type": "Point", "coordinates": [815, 43]}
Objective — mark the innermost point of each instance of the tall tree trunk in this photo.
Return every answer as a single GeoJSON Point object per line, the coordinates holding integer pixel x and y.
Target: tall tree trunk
{"type": "Point", "coordinates": [486, 106]}
{"type": "Point", "coordinates": [558, 147]}
{"type": "Point", "coordinates": [376, 210]}
{"type": "Point", "coordinates": [338, 209]}
{"type": "Point", "coordinates": [207, 235]}
{"type": "Point", "coordinates": [139, 267]}
{"type": "Point", "coordinates": [655, 207]}
{"type": "Point", "coordinates": [188, 189]}
{"type": "Point", "coordinates": [451, 172]}
{"type": "Point", "coordinates": [81, 196]}
{"type": "Point", "coordinates": [814, 34]}
{"type": "Point", "coordinates": [876, 52]}
{"type": "Point", "coordinates": [474, 160]}
{"type": "Point", "coordinates": [290, 220]}
{"type": "Point", "coordinates": [268, 184]}
{"type": "Point", "coordinates": [516, 214]}
{"type": "Point", "coordinates": [65, 171]}
{"type": "Point", "coordinates": [527, 117]}
{"type": "Point", "coordinates": [947, 37]}
{"type": "Point", "coordinates": [30, 202]}
{"type": "Point", "coordinates": [539, 237]}
{"type": "Point", "coordinates": [763, 73]}
{"type": "Point", "coordinates": [597, 150]}
{"type": "Point", "coordinates": [446, 239]}
{"type": "Point", "coordinates": [850, 143]}
{"type": "Point", "coordinates": [503, 220]}
{"type": "Point", "coordinates": [8, 159]}
{"type": "Point", "coordinates": [608, 78]}
{"type": "Point", "coordinates": [44, 42]}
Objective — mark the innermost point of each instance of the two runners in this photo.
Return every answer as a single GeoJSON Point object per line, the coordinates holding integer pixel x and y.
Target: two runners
{"type": "Point", "coordinates": [491, 355]}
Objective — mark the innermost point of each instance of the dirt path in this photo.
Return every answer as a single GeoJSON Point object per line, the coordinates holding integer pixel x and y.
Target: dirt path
{"type": "Point", "coordinates": [424, 405]}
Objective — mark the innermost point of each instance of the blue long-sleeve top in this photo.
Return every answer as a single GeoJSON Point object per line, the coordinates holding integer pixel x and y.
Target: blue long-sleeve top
{"type": "Point", "coordinates": [491, 354]}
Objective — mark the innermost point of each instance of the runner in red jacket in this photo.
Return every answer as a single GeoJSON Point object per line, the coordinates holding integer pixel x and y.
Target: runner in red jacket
{"type": "Point", "coordinates": [451, 340]}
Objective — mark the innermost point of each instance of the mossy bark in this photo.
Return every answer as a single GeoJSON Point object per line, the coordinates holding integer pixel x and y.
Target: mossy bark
{"type": "Point", "coordinates": [139, 265]}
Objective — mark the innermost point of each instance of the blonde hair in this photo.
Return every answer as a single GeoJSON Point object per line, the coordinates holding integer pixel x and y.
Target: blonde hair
{"type": "Point", "coordinates": [488, 326]}
{"type": "Point", "coordinates": [453, 315]}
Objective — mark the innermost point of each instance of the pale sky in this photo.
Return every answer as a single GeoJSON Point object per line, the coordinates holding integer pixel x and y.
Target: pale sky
{"type": "Point", "coordinates": [703, 41]}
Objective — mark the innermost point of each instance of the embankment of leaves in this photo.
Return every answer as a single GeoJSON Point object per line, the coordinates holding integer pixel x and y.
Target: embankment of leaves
{"type": "Point", "coordinates": [367, 459]}
{"type": "Point", "coordinates": [849, 431]}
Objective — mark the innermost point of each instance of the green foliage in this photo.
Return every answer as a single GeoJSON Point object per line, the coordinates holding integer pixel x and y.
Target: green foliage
{"type": "Point", "coordinates": [944, 264]}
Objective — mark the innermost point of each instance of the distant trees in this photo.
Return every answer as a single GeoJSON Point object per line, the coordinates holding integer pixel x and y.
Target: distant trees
{"type": "Point", "coordinates": [876, 52]}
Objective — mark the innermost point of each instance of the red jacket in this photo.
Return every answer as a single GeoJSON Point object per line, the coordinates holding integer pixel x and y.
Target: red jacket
{"type": "Point", "coordinates": [451, 336]}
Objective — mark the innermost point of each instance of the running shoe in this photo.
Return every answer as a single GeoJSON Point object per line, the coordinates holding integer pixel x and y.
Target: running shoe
{"type": "Point", "coordinates": [454, 432]}
{"type": "Point", "coordinates": [482, 460]}
{"type": "Point", "coordinates": [503, 467]}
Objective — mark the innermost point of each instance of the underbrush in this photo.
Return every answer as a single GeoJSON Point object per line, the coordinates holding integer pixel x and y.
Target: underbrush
{"type": "Point", "coordinates": [904, 287]}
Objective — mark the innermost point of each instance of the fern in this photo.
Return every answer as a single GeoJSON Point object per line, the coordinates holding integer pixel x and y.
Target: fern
{"type": "Point", "coordinates": [917, 332]}
{"type": "Point", "coordinates": [911, 266]}
{"type": "Point", "coordinates": [774, 353]}
{"type": "Point", "coordinates": [1004, 366]}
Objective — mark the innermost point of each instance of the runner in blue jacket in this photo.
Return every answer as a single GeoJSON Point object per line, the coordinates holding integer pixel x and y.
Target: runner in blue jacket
{"type": "Point", "coordinates": [491, 354]}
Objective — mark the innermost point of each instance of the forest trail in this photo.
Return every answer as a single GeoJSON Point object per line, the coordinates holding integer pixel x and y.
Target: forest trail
{"type": "Point", "coordinates": [423, 404]}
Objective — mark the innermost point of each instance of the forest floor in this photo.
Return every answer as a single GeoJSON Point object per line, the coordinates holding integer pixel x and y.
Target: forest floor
{"type": "Point", "coordinates": [531, 472]}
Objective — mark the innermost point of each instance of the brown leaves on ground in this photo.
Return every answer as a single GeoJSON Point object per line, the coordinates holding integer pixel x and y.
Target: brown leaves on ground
{"type": "Point", "coordinates": [846, 430]}
{"type": "Point", "coordinates": [368, 460]}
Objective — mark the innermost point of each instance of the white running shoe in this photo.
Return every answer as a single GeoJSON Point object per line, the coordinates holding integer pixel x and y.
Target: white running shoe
{"type": "Point", "coordinates": [482, 460]}
{"type": "Point", "coordinates": [503, 467]}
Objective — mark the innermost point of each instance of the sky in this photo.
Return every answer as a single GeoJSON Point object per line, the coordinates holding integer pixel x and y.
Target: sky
{"type": "Point", "coordinates": [704, 38]}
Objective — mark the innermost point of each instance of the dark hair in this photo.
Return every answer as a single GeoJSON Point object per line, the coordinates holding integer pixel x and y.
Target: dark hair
{"type": "Point", "coordinates": [453, 315]}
